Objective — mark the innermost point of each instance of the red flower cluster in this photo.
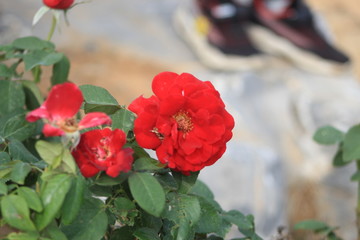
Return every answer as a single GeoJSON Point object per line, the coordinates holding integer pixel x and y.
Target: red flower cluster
{"type": "Point", "coordinates": [59, 111]}
{"type": "Point", "coordinates": [185, 122]}
{"type": "Point", "coordinates": [102, 150]}
{"type": "Point", "coordinates": [58, 4]}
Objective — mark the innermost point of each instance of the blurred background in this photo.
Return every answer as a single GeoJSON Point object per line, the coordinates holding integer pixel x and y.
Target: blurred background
{"type": "Point", "coordinates": [272, 168]}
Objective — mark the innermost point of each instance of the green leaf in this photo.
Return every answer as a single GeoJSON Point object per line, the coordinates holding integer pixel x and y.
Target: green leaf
{"type": "Point", "coordinates": [201, 189]}
{"type": "Point", "coordinates": [355, 176]}
{"type": "Point", "coordinates": [73, 200]}
{"type": "Point", "coordinates": [146, 234]}
{"type": "Point", "coordinates": [31, 198]}
{"type": "Point", "coordinates": [3, 188]}
{"type": "Point", "coordinates": [4, 158]}
{"type": "Point", "coordinates": [14, 126]}
{"type": "Point", "coordinates": [244, 223]}
{"type": "Point", "coordinates": [41, 57]}
{"type": "Point", "coordinates": [210, 220]}
{"type": "Point", "coordinates": [147, 192]}
{"type": "Point", "coordinates": [123, 119]}
{"type": "Point", "coordinates": [123, 233]}
{"type": "Point", "coordinates": [32, 93]}
{"type": "Point", "coordinates": [16, 213]}
{"type": "Point", "coordinates": [98, 99]}
{"type": "Point", "coordinates": [181, 206]}
{"type": "Point", "coordinates": [328, 135]}
{"type": "Point", "coordinates": [5, 71]}
{"type": "Point", "coordinates": [185, 183]}
{"type": "Point", "coordinates": [23, 236]}
{"type": "Point", "coordinates": [351, 146]}
{"type": "Point", "coordinates": [19, 152]}
{"type": "Point", "coordinates": [61, 71]}
{"type": "Point", "coordinates": [91, 222]}
{"type": "Point", "coordinates": [167, 181]}
{"type": "Point", "coordinates": [32, 43]}
{"type": "Point", "coordinates": [54, 232]}
{"type": "Point", "coordinates": [19, 172]}
{"type": "Point", "coordinates": [338, 160]}
{"type": "Point", "coordinates": [148, 164]}
{"type": "Point", "coordinates": [12, 96]}
{"type": "Point", "coordinates": [313, 225]}
{"type": "Point", "coordinates": [52, 196]}
{"type": "Point", "coordinates": [105, 180]}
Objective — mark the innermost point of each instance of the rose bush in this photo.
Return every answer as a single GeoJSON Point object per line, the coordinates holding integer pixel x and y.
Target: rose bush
{"type": "Point", "coordinates": [185, 122]}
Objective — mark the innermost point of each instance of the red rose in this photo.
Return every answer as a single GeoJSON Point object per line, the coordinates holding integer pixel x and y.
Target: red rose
{"type": "Point", "coordinates": [59, 111]}
{"type": "Point", "coordinates": [185, 122]}
{"type": "Point", "coordinates": [102, 150]}
{"type": "Point", "coordinates": [58, 4]}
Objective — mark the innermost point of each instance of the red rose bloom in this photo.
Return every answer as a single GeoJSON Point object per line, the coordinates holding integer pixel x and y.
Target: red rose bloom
{"type": "Point", "coordinates": [58, 4]}
{"type": "Point", "coordinates": [59, 111]}
{"type": "Point", "coordinates": [102, 150]}
{"type": "Point", "coordinates": [185, 122]}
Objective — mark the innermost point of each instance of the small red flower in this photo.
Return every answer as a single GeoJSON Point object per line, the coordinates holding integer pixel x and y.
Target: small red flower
{"type": "Point", "coordinates": [58, 4]}
{"type": "Point", "coordinates": [59, 111]}
{"type": "Point", "coordinates": [102, 150]}
{"type": "Point", "coordinates": [185, 122]}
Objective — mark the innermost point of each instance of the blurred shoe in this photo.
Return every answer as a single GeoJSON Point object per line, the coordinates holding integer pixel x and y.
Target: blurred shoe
{"type": "Point", "coordinates": [293, 34]}
{"type": "Point", "coordinates": [215, 29]}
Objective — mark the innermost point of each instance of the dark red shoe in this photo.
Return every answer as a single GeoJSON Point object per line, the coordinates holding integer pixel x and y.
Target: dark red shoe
{"type": "Point", "coordinates": [293, 34]}
{"type": "Point", "coordinates": [216, 31]}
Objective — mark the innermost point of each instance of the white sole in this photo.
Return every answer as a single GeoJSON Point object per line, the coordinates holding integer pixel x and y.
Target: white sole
{"type": "Point", "coordinates": [271, 43]}
{"type": "Point", "coordinates": [184, 24]}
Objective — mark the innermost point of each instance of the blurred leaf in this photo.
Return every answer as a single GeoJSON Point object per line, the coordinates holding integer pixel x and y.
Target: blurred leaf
{"type": "Point", "coordinates": [19, 152]}
{"type": "Point", "coordinates": [52, 196]}
{"type": "Point", "coordinates": [16, 213]}
{"type": "Point", "coordinates": [41, 57]}
{"type": "Point", "coordinates": [5, 71]}
{"type": "Point", "coordinates": [123, 233]}
{"type": "Point", "coordinates": [19, 172]}
{"type": "Point", "coordinates": [311, 225]}
{"type": "Point", "coordinates": [91, 222]}
{"type": "Point", "coordinates": [338, 160]}
{"type": "Point", "coordinates": [147, 192]}
{"type": "Point", "coordinates": [146, 234]}
{"type": "Point", "coordinates": [23, 236]}
{"type": "Point", "coordinates": [351, 146]}
{"type": "Point", "coordinates": [39, 14]}
{"type": "Point", "coordinates": [73, 200]}
{"type": "Point", "coordinates": [61, 71]}
{"type": "Point", "coordinates": [31, 197]}
{"type": "Point", "coordinates": [355, 176]}
{"type": "Point", "coordinates": [328, 135]}
{"type": "Point", "coordinates": [123, 119]}
{"type": "Point", "coordinates": [244, 223]}
{"type": "Point", "coordinates": [32, 43]}
{"type": "Point", "coordinates": [12, 97]}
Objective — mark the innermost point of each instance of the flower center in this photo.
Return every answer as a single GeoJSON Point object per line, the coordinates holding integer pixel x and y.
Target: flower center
{"type": "Point", "coordinates": [102, 152]}
{"type": "Point", "coordinates": [183, 121]}
{"type": "Point", "coordinates": [69, 125]}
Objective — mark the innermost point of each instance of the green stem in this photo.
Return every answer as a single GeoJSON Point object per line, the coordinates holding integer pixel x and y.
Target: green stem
{"type": "Point", "coordinates": [358, 202]}
{"type": "Point", "coordinates": [52, 29]}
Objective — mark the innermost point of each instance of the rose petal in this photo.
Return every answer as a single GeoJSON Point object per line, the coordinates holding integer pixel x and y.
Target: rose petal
{"type": "Point", "coordinates": [94, 119]}
{"type": "Point", "coordinates": [37, 114]}
{"type": "Point", "coordinates": [51, 131]}
{"type": "Point", "coordinates": [64, 101]}
{"type": "Point", "coordinates": [162, 83]}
